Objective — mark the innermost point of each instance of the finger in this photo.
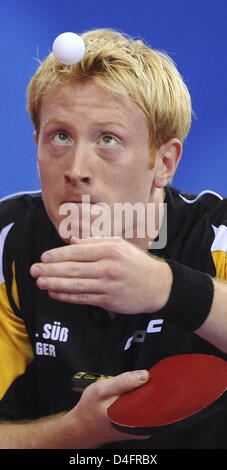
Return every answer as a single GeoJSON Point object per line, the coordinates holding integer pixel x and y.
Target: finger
{"type": "Point", "coordinates": [78, 252]}
{"type": "Point", "coordinates": [84, 298]}
{"type": "Point", "coordinates": [92, 240]}
{"type": "Point", "coordinates": [67, 269]}
{"type": "Point", "coordinates": [70, 285]}
{"type": "Point", "coordinates": [115, 386]}
{"type": "Point", "coordinates": [121, 384]}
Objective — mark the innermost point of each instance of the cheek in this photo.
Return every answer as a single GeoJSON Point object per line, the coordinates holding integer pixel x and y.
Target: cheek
{"type": "Point", "coordinates": [49, 173]}
{"type": "Point", "coordinates": [131, 183]}
{"type": "Point", "coordinates": [50, 189]}
{"type": "Point", "coordinates": [45, 180]}
{"type": "Point", "coordinates": [137, 182]}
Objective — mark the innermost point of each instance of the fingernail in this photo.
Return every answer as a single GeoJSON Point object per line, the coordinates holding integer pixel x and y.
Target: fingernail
{"type": "Point", "coordinates": [36, 271]}
{"type": "Point", "coordinates": [43, 282]}
{"type": "Point", "coordinates": [142, 375]}
{"type": "Point", "coordinates": [46, 258]}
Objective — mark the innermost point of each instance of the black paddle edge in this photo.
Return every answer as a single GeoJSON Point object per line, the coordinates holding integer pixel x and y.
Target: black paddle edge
{"type": "Point", "coordinates": [215, 407]}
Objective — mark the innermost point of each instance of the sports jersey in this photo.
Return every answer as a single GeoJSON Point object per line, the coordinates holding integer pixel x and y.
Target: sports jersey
{"type": "Point", "coordinates": [43, 342]}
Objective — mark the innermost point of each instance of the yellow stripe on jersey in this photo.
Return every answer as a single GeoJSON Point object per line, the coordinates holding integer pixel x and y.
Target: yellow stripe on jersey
{"type": "Point", "coordinates": [14, 290]}
{"type": "Point", "coordinates": [220, 262]}
{"type": "Point", "coordinates": [219, 251]}
{"type": "Point", "coordinates": [15, 348]}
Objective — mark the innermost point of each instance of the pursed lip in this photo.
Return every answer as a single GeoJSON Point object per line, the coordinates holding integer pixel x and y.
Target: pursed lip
{"type": "Point", "coordinates": [80, 203]}
{"type": "Point", "coordinates": [85, 202]}
{"type": "Point", "coordinates": [86, 199]}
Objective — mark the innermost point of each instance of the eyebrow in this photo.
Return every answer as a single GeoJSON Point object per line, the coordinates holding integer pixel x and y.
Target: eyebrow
{"type": "Point", "coordinates": [116, 123]}
{"type": "Point", "coordinates": [55, 121]}
{"type": "Point", "coordinates": [99, 123]}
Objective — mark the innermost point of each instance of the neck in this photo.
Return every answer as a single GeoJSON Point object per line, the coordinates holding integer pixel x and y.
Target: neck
{"type": "Point", "coordinates": [154, 212]}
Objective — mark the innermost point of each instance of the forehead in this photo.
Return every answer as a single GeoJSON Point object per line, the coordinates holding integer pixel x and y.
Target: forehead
{"type": "Point", "coordinates": [87, 99]}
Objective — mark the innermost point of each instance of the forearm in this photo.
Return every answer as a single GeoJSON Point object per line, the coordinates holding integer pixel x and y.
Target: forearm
{"type": "Point", "coordinates": [53, 432]}
{"type": "Point", "coordinates": [197, 302]}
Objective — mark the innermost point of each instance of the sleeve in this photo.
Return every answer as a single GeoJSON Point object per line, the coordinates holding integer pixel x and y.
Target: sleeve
{"type": "Point", "coordinates": [15, 348]}
{"type": "Point", "coordinates": [219, 251]}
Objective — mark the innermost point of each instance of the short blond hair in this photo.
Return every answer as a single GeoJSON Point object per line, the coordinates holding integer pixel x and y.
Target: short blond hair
{"type": "Point", "coordinates": [123, 65]}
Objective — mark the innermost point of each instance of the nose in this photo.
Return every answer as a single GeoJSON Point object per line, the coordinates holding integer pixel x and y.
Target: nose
{"type": "Point", "coordinates": [77, 171]}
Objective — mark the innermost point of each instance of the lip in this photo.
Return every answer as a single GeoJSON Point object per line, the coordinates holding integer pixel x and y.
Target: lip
{"type": "Point", "coordinates": [83, 204]}
{"type": "Point", "coordinates": [82, 199]}
{"type": "Point", "coordinates": [80, 203]}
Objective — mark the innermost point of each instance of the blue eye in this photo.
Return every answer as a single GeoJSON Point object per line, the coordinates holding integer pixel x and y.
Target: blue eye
{"type": "Point", "coordinates": [61, 138]}
{"type": "Point", "coordinates": [109, 140]}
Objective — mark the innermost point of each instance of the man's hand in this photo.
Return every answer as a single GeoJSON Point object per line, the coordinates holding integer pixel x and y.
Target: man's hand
{"type": "Point", "coordinates": [108, 272]}
{"type": "Point", "coordinates": [86, 426]}
{"type": "Point", "coordinates": [88, 420]}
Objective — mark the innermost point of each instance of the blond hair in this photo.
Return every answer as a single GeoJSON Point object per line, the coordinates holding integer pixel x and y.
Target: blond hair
{"type": "Point", "coordinates": [129, 67]}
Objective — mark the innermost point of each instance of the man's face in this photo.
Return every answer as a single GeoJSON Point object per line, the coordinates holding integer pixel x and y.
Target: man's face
{"type": "Point", "coordinates": [92, 143]}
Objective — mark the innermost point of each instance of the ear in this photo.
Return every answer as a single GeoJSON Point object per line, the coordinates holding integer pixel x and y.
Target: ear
{"type": "Point", "coordinates": [36, 137]}
{"type": "Point", "coordinates": [167, 160]}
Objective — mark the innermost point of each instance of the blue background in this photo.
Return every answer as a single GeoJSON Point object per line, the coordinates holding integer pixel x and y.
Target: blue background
{"type": "Point", "coordinates": [194, 33]}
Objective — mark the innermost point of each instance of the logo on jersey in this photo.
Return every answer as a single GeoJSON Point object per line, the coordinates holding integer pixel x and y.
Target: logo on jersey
{"type": "Point", "coordinates": [154, 326]}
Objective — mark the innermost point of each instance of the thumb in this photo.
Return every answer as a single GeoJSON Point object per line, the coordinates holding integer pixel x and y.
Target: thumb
{"type": "Point", "coordinates": [124, 383]}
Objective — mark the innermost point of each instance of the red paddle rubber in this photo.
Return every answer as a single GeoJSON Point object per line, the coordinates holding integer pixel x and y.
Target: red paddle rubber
{"type": "Point", "coordinates": [181, 391]}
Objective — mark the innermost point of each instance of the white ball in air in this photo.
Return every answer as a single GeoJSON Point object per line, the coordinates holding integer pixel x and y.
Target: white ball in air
{"type": "Point", "coordinates": [68, 48]}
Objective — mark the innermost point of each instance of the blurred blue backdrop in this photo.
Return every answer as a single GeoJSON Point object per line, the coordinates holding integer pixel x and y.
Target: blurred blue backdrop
{"type": "Point", "coordinates": [193, 32]}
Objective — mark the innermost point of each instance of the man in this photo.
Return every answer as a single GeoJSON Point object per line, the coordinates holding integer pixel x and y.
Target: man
{"type": "Point", "coordinates": [110, 129]}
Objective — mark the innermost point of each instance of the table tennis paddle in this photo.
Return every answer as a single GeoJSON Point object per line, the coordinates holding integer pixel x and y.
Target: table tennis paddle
{"type": "Point", "coordinates": [181, 391]}
{"type": "Point", "coordinates": [81, 380]}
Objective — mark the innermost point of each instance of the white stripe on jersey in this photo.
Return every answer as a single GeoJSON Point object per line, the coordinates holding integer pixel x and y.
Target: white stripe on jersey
{"type": "Point", "coordinates": [3, 234]}
{"type": "Point", "coordinates": [20, 194]}
{"type": "Point", "coordinates": [220, 238]}
{"type": "Point", "coordinates": [191, 201]}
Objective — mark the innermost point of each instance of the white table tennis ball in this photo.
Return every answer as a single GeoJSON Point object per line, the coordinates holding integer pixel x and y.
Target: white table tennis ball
{"type": "Point", "coordinates": [68, 48]}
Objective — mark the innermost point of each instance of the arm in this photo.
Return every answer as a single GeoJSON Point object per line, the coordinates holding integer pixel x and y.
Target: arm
{"type": "Point", "coordinates": [95, 271]}
{"type": "Point", "coordinates": [86, 426]}
{"type": "Point", "coordinates": [214, 329]}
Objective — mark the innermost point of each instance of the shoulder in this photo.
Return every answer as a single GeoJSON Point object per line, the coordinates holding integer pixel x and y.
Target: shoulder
{"type": "Point", "coordinates": [18, 203]}
{"type": "Point", "coordinates": [18, 214]}
{"type": "Point", "coordinates": [208, 199]}
{"type": "Point", "coordinates": [207, 203]}
{"type": "Point", "coordinates": [15, 206]}
{"type": "Point", "coordinates": [197, 226]}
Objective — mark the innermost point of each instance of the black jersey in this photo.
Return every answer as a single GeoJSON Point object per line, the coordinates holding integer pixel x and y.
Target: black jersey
{"type": "Point", "coordinates": [43, 342]}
